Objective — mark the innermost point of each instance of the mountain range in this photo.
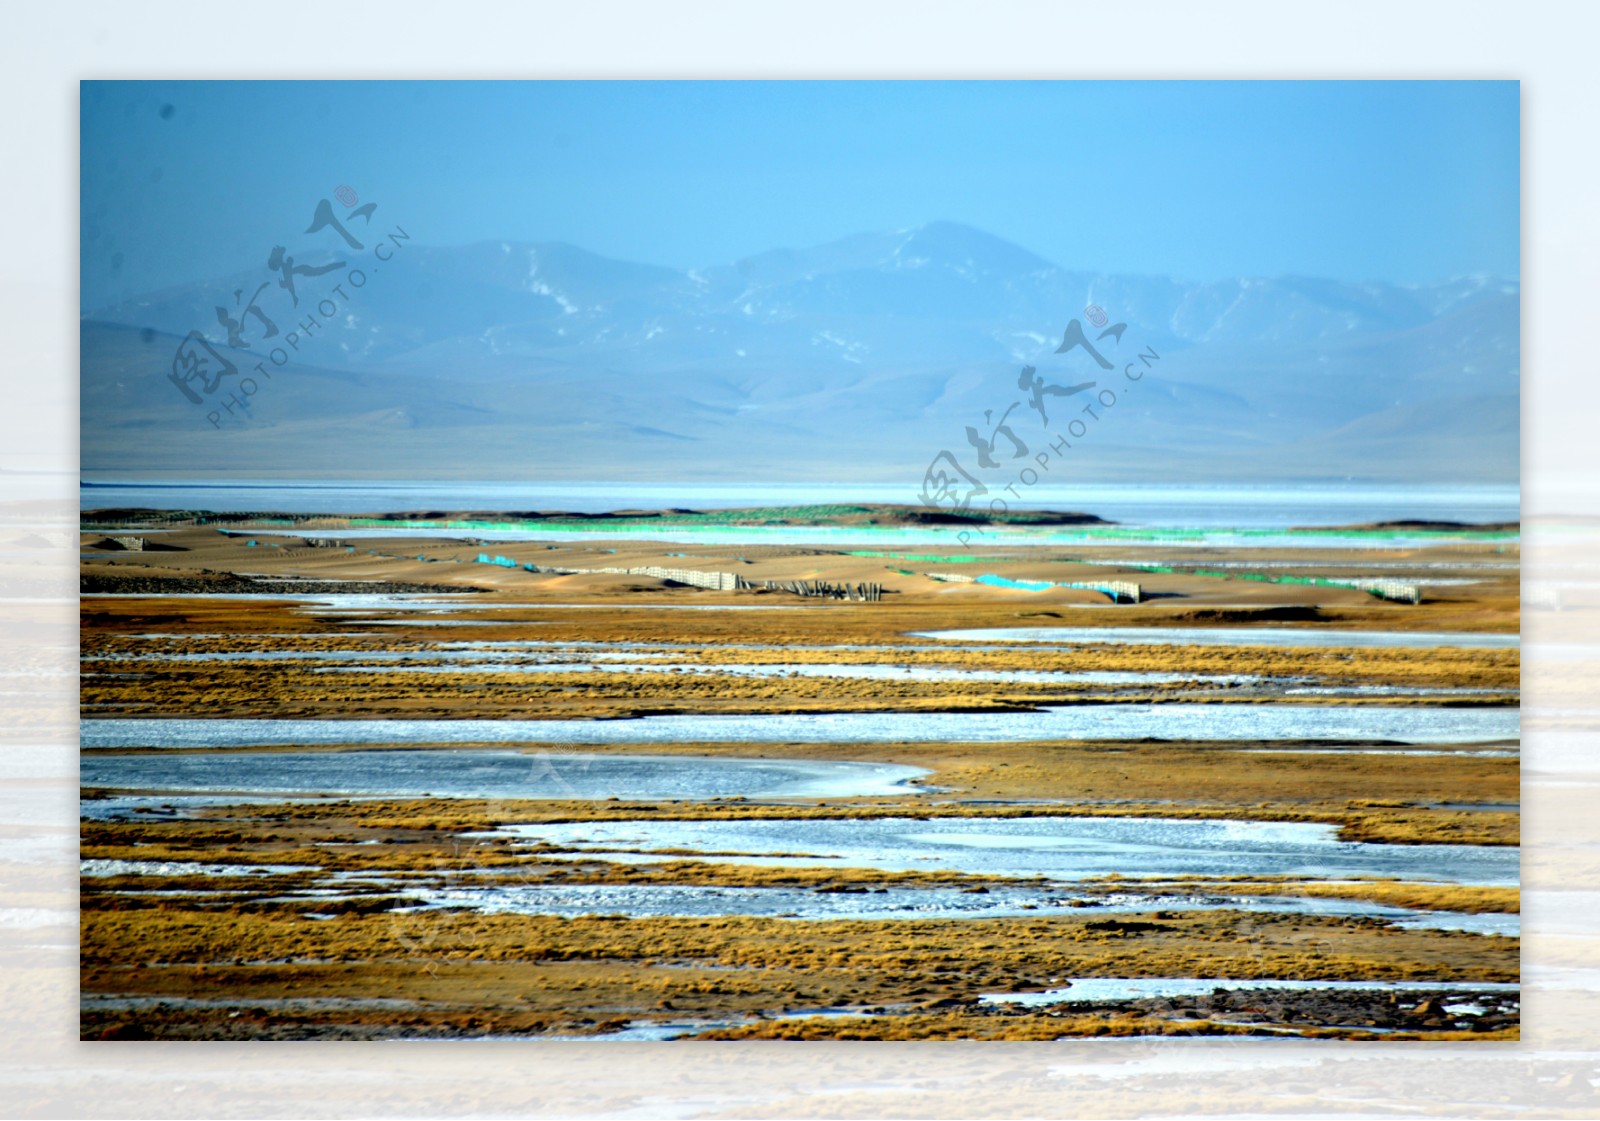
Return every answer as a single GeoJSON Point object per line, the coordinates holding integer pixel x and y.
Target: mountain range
{"type": "Point", "coordinates": [859, 360]}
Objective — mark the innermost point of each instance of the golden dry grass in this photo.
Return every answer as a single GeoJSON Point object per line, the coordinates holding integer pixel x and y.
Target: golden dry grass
{"type": "Point", "coordinates": [459, 973]}
{"type": "Point", "coordinates": [529, 972]}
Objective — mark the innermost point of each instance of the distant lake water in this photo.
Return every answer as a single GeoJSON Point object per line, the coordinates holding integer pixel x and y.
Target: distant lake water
{"type": "Point", "coordinates": [1266, 506]}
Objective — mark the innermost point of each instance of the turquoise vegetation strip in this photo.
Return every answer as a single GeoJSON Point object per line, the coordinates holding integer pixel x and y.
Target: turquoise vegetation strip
{"type": "Point", "coordinates": [1004, 582]}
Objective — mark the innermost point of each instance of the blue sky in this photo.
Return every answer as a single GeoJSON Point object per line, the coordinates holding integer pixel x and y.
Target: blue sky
{"type": "Point", "coordinates": [1405, 182]}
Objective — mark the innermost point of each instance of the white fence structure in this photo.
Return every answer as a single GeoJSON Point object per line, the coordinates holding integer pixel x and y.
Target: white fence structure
{"type": "Point", "coordinates": [714, 581]}
{"type": "Point", "coordinates": [1396, 591]}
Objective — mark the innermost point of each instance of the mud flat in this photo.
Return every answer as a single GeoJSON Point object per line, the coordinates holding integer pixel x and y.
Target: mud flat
{"type": "Point", "coordinates": [295, 967]}
{"type": "Point", "coordinates": [411, 919]}
{"type": "Point", "coordinates": [604, 805]}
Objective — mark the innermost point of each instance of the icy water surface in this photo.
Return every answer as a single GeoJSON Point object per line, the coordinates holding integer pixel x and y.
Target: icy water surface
{"type": "Point", "coordinates": [437, 658]}
{"type": "Point", "coordinates": [906, 537]}
{"type": "Point", "coordinates": [1277, 505]}
{"type": "Point", "coordinates": [1063, 848]}
{"type": "Point", "coordinates": [844, 670]}
{"type": "Point", "coordinates": [97, 868]}
{"type": "Point", "coordinates": [1225, 636]}
{"type": "Point", "coordinates": [511, 662]}
{"type": "Point", "coordinates": [1208, 722]}
{"type": "Point", "coordinates": [890, 903]}
{"type": "Point", "coordinates": [1094, 989]}
{"type": "Point", "coordinates": [491, 774]}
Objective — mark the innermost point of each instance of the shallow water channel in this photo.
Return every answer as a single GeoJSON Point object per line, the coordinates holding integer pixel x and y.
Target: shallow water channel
{"type": "Point", "coordinates": [1177, 721]}
{"type": "Point", "coordinates": [898, 903]}
{"type": "Point", "coordinates": [1090, 990]}
{"type": "Point", "coordinates": [1227, 636]}
{"type": "Point", "coordinates": [490, 774]}
{"type": "Point", "coordinates": [1061, 848]}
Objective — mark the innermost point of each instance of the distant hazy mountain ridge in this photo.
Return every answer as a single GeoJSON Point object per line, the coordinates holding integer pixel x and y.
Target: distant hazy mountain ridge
{"type": "Point", "coordinates": [861, 358]}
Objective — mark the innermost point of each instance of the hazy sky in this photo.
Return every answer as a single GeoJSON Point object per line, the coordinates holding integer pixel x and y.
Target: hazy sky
{"type": "Point", "coordinates": [1398, 181]}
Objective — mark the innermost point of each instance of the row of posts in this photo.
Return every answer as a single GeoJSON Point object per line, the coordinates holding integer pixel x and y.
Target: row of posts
{"type": "Point", "coordinates": [715, 581]}
{"type": "Point", "coordinates": [820, 589]}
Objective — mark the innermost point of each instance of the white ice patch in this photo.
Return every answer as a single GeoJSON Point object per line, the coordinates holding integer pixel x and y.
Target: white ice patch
{"type": "Point", "coordinates": [98, 868]}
